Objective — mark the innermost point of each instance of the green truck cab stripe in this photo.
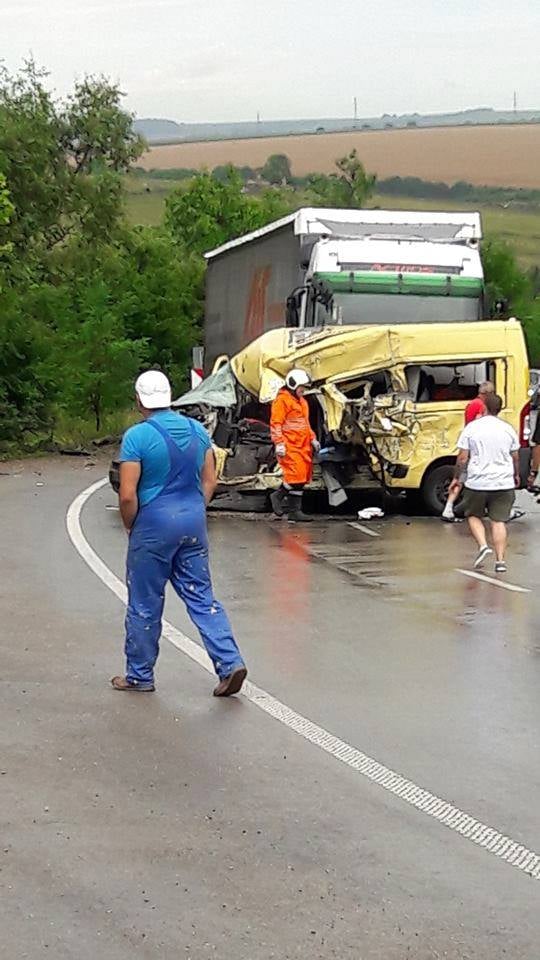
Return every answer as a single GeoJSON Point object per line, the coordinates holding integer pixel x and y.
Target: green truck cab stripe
{"type": "Point", "coordinates": [420, 284]}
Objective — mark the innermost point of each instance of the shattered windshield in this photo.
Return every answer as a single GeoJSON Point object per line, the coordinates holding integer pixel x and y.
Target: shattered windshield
{"type": "Point", "coordinates": [217, 390]}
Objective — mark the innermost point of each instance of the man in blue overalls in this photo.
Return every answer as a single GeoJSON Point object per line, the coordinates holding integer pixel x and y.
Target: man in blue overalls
{"type": "Point", "coordinates": [167, 476]}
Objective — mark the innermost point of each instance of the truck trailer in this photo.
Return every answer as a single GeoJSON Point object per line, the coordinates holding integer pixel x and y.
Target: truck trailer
{"type": "Point", "coordinates": [321, 267]}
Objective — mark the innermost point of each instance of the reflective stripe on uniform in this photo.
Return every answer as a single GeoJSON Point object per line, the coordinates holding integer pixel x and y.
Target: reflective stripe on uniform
{"type": "Point", "coordinates": [296, 423]}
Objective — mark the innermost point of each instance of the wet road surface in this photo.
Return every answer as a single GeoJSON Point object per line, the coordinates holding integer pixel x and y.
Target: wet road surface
{"type": "Point", "coordinates": [175, 825]}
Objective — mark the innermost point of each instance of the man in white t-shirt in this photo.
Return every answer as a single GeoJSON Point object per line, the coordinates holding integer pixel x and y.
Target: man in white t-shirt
{"type": "Point", "coordinates": [489, 451]}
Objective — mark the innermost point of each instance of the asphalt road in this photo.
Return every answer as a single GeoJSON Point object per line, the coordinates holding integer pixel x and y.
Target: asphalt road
{"type": "Point", "coordinates": [178, 826]}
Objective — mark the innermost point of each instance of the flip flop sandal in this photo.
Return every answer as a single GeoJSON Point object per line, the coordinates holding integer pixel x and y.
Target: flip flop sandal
{"type": "Point", "coordinates": [121, 683]}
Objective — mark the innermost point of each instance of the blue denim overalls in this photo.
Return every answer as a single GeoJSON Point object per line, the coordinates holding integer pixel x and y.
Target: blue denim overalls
{"type": "Point", "coordinates": [169, 541]}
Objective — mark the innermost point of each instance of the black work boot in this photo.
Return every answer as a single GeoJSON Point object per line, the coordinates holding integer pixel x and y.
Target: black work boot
{"type": "Point", "coordinates": [295, 514]}
{"type": "Point", "coordinates": [280, 501]}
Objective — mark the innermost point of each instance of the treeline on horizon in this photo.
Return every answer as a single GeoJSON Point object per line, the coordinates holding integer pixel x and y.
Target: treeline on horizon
{"type": "Point", "coordinates": [390, 186]}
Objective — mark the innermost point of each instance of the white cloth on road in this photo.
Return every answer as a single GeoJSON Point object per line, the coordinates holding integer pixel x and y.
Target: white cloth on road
{"type": "Point", "coordinates": [490, 443]}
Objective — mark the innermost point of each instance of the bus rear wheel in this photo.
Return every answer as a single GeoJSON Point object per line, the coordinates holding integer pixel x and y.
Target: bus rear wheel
{"type": "Point", "coordinates": [435, 490]}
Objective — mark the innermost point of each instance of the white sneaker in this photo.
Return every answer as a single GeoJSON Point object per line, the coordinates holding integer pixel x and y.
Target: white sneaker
{"type": "Point", "coordinates": [482, 556]}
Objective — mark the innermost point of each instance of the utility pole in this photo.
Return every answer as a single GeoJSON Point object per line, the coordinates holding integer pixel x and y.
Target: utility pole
{"type": "Point", "coordinates": [355, 101]}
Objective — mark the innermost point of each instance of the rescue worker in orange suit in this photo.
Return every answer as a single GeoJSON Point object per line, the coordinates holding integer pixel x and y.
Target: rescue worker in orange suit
{"type": "Point", "coordinates": [295, 444]}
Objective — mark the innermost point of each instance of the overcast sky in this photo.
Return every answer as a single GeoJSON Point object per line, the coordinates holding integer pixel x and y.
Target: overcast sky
{"type": "Point", "coordinates": [228, 59]}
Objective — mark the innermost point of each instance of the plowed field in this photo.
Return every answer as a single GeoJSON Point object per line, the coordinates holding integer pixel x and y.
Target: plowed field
{"type": "Point", "coordinates": [506, 156]}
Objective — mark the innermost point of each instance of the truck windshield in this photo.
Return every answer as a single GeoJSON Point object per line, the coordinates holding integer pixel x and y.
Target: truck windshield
{"type": "Point", "coordinates": [365, 308]}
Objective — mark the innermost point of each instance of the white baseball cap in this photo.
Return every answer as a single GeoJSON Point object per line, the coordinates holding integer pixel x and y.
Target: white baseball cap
{"type": "Point", "coordinates": [153, 390]}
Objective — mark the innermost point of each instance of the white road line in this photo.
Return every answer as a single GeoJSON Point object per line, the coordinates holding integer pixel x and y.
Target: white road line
{"type": "Point", "coordinates": [446, 813]}
{"type": "Point", "coordinates": [496, 583]}
{"type": "Point", "coordinates": [359, 526]}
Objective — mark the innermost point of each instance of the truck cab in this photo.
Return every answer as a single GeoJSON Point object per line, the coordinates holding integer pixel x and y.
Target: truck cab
{"type": "Point", "coordinates": [378, 271]}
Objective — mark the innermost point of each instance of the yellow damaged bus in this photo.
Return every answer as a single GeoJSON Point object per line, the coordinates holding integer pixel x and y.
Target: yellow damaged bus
{"type": "Point", "coordinates": [387, 404]}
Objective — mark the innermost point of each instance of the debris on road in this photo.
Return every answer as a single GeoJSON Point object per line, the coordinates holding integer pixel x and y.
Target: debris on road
{"type": "Point", "coordinates": [74, 452]}
{"type": "Point", "coordinates": [370, 513]}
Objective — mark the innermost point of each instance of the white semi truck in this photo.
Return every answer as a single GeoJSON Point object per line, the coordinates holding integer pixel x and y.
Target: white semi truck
{"type": "Point", "coordinates": [320, 267]}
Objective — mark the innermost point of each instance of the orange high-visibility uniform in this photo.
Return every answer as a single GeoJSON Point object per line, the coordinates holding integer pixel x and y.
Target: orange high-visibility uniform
{"type": "Point", "coordinates": [289, 424]}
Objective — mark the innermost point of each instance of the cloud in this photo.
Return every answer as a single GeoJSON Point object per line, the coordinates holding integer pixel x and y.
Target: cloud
{"type": "Point", "coordinates": [128, 6]}
{"type": "Point", "coordinates": [20, 10]}
{"type": "Point", "coordinates": [232, 57]}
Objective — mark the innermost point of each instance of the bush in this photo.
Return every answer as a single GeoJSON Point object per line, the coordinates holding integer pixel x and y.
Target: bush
{"type": "Point", "coordinates": [85, 301]}
{"type": "Point", "coordinates": [210, 212]}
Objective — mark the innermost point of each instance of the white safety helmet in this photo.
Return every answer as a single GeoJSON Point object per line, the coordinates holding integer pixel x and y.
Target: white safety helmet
{"type": "Point", "coordinates": [297, 378]}
{"type": "Point", "coordinates": [153, 390]}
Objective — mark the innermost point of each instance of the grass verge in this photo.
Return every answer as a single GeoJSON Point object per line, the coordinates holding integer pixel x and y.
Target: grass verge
{"type": "Point", "coordinates": [81, 431]}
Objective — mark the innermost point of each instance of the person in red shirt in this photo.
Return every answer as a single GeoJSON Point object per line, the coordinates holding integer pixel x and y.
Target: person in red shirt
{"type": "Point", "coordinates": [476, 408]}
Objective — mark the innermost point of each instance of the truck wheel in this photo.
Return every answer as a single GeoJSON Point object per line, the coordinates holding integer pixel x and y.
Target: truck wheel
{"type": "Point", "coordinates": [435, 490]}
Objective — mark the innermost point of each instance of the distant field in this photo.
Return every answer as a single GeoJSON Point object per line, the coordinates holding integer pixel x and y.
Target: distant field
{"type": "Point", "coordinates": [147, 208]}
{"type": "Point", "coordinates": [520, 230]}
{"type": "Point", "coordinates": [505, 156]}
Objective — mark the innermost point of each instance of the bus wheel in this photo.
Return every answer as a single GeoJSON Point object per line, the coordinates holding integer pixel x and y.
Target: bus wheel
{"type": "Point", "coordinates": [435, 490]}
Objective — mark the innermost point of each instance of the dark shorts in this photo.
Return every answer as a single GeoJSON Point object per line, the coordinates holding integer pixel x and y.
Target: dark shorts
{"type": "Point", "coordinates": [535, 439]}
{"type": "Point", "coordinates": [497, 504]}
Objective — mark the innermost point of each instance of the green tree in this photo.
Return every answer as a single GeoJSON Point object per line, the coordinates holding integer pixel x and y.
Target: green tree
{"type": "Point", "coordinates": [63, 339]}
{"type": "Point", "coordinates": [62, 162]}
{"type": "Point", "coordinates": [351, 187]}
{"type": "Point", "coordinates": [6, 212]}
{"type": "Point", "coordinates": [503, 277]}
{"type": "Point", "coordinates": [528, 312]}
{"type": "Point", "coordinates": [277, 169]}
{"type": "Point", "coordinates": [208, 213]}
{"type": "Point", "coordinates": [222, 172]}
{"type": "Point", "coordinates": [161, 288]}
{"type": "Point", "coordinates": [27, 391]}
{"type": "Point", "coordinates": [507, 282]}
{"type": "Point", "coordinates": [247, 173]}
{"type": "Point", "coordinates": [96, 359]}
{"type": "Point", "coordinates": [97, 133]}
{"type": "Point", "coordinates": [353, 174]}
{"type": "Point", "coordinates": [30, 157]}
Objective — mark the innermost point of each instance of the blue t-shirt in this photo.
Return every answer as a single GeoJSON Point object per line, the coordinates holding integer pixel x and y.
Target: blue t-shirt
{"type": "Point", "coordinates": [143, 444]}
